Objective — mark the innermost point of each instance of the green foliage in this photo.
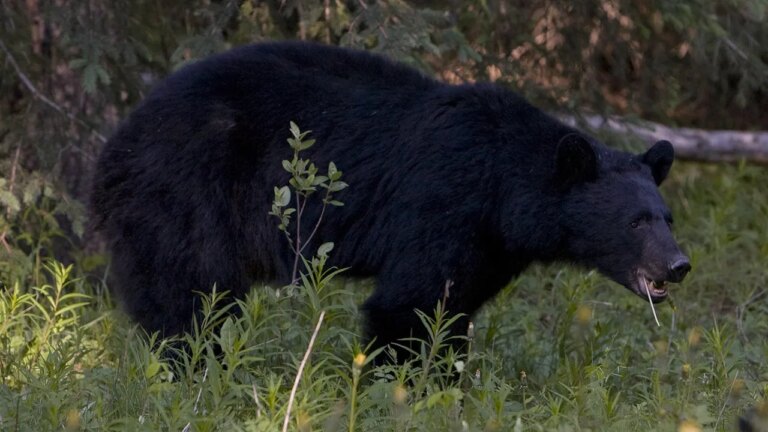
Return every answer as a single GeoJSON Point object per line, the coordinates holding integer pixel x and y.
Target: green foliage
{"type": "Point", "coordinates": [36, 220]}
{"type": "Point", "coordinates": [558, 350]}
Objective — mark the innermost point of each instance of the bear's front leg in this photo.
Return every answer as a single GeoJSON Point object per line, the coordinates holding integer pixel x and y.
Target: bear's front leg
{"type": "Point", "coordinates": [391, 317]}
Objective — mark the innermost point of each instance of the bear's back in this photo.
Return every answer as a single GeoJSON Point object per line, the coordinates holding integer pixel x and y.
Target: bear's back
{"type": "Point", "coordinates": [281, 65]}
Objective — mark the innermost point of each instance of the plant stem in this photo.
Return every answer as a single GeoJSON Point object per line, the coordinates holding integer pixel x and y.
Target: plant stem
{"type": "Point", "coordinates": [353, 400]}
{"type": "Point", "coordinates": [297, 247]}
{"type": "Point", "coordinates": [319, 220]}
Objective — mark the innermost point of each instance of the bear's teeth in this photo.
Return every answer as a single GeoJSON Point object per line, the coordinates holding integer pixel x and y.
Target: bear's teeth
{"type": "Point", "coordinates": [658, 288]}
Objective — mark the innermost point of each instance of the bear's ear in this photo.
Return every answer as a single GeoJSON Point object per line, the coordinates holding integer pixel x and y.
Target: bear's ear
{"type": "Point", "coordinates": [576, 160]}
{"type": "Point", "coordinates": [659, 158]}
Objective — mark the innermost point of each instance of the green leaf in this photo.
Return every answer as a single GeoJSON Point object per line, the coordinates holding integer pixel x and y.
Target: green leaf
{"type": "Point", "coordinates": [78, 63]}
{"type": "Point", "coordinates": [103, 75]}
{"type": "Point", "coordinates": [324, 249]}
{"type": "Point", "coordinates": [299, 183]}
{"type": "Point", "coordinates": [152, 369]}
{"type": "Point", "coordinates": [31, 192]}
{"type": "Point", "coordinates": [285, 195]}
{"type": "Point", "coordinates": [228, 334]}
{"type": "Point", "coordinates": [445, 398]}
{"type": "Point", "coordinates": [336, 203]}
{"type": "Point", "coordinates": [10, 201]}
{"type": "Point", "coordinates": [89, 79]}
{"type": "Point", "coordinates": [78, 227]}
{"type": "Point", "coordinates": [71, 307]}
{"type": "Point", "coordinates": [337, 186]}
{"type": "Point", "coordinates": [92, 73]}
{"type": "Point", "coordinates": [282, 196]}
{"type": "Point", "coordinates": [307, 144]}
{"type": "Point", "coordinates": [287, 166]}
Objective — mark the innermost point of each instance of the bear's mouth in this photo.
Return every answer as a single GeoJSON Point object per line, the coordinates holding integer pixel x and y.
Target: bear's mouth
{"type": "Point", "coordinates": [657, 290]}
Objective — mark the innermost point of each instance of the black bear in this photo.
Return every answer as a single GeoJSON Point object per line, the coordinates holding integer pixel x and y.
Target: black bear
{"type": "Point", "coordinates": [462, 183]}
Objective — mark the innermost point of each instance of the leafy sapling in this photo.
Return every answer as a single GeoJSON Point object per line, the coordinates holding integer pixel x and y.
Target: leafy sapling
{"type": "Point", "coordinates": [304, 182]}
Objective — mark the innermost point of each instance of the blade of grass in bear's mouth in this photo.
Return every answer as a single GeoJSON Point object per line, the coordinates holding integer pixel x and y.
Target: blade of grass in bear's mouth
{"type": "Point", "coordinates": [653, 309]}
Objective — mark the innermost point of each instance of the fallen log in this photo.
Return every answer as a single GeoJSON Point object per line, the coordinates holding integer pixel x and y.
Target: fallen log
{"type": "Point", "coordinates": [690, 144]}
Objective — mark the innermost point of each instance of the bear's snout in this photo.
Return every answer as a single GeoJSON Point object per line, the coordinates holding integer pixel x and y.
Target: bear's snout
{"type": "Point", "coordinates": [679, 269]}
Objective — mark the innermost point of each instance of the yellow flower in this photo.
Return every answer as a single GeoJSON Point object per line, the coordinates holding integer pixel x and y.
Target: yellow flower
{"type": "Point", "coordinates": [72, 421]}
{"type": "Point", "coordinates": [303, 421]}
{"type": "Point", "coordinates": [583, 315]}
{"type": "Point", "coordinates": [400, 395]}
{"type": "Point", "coordinates": [688, 426]}
{"type": "Point", "coordinates": [359, 361]}
{"type": "Point", "coordinates": [686, 371]}
{"type": "Point", "coordinates": [694, 337]}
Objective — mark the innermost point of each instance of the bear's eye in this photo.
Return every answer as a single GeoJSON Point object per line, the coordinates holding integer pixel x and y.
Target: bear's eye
{"type": "Point", "coordinates": [641, 220]}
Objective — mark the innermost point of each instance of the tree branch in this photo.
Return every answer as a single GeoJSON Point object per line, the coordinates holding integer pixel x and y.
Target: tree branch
{"type": "Point", "coordinates": [36, 93]}
{"type": "Point", "coordinates": [690, 144]}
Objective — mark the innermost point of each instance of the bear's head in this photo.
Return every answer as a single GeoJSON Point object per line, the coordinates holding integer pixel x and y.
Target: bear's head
{"type": "Point", "coordinates": [613, 217]}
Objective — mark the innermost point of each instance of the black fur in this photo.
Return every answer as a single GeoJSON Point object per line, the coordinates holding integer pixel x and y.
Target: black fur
{"type": "Point", "coordinates": [466, 183]}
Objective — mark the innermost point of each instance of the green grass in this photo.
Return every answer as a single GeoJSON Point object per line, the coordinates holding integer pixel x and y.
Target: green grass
{"type": "Point", "coordinates": [559, 349]}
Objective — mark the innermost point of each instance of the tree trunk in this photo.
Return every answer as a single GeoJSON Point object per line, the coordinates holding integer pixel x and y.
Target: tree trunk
{"type": "Point", "coordinates": [690, 144]}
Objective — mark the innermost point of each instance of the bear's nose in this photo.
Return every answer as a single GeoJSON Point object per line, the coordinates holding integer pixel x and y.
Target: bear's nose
{"type": "Point", "coordinates": [679, 269]}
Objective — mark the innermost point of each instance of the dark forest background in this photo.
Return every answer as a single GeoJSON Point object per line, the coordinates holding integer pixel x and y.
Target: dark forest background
{"type": "Point", "coordinates": [70, 70]}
